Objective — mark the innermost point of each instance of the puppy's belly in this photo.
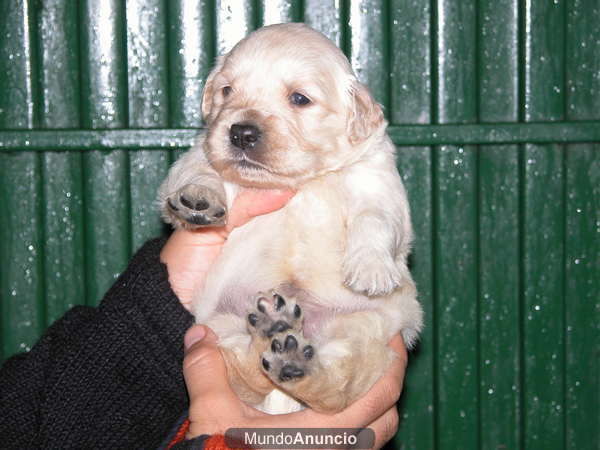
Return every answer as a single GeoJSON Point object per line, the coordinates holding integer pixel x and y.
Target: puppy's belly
{"type": "Point", "coordinates": [285, 248]}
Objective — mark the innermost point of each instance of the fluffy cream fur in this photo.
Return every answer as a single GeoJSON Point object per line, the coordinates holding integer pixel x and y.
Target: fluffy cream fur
{"type": "Point", "coordinates": [338, 248]}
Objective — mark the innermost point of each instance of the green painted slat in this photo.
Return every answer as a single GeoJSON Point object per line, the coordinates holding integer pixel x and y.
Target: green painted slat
{"type": "Point", "coordinates": [368, 46]}
{"type": "Point", "coordinates": [582, 252]}
{"type": "Point", "coordinates": [61, 172]}
{"type": "Point", "coordinates": [418, 402]}
{"type": "Point", "coordinates": [326, 16]}
{"type": "Point", "coordinates": [499, 313]}
{"type": "Point", "coordinates": [410, 75]}
{"type": "Point", "coordinates": [148, 108]}
{"type": "Point", "coordinates": [21, 235]}
{"type": "Point", "coordinates": [405, 135]}
{"type": "Point", "coordinates": [410, 101]}
{"type": "Point", "coordinates": [543, 230]}
{"type": "Point", "coordinates": [234, 20]}
{"type": "Point", "coordinates": [582, 312]}
{"type": "Point", "coordinates": [191, 55]}
{"type": "Point", "coordinates": [279, 11]}
{"type": "Point", "coordinates": [455, 234]}
{"type": "Point", "coordinates": [498, 179]}
{"type": "Point", "coordinates": [104, 105]}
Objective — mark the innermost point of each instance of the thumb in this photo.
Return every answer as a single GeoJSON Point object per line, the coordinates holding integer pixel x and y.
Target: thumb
{"type": "Point", "coordinates": [204, 369]}
{"type": "Point", "coordinates": [255, 202]}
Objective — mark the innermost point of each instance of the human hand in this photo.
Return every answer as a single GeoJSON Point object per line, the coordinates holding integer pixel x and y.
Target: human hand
{"type": "Point", "coordinates": [189, 254]}
{"type": "Point", "coordinates": [214, 406]}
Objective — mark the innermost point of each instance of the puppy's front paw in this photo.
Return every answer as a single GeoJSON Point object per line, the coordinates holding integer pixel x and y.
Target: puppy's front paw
{"type": "Point", "coordinates": [290, 358]}
{"type": "Point", "coordinates": [370, 272]}
{"type": "Point", "coordinates": [274, 314]}
{"type": "Point", "coordinates": [194, 206]}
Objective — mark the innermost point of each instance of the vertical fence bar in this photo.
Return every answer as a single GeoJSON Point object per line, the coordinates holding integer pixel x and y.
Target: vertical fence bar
{"type": "Point", "coordinates": [543, 229]}
{"type": "Point", "coordinates": [148, 108]}
{"type": "Point", "coordinates": [582, 260]}
{"type": "Point", "coordinates": [235, 19]}
{"type": "Point", "coordinates": [499, 315]}
{"type": "Point", "coordinates": [410, 102]}
{"type": "Point", "coordinates": [58, 46]}
{"type": "Point", "coordinates": [104, 105]}
{"type": "Point", "coordinates": [455, 235]}
{"type": "Point", "coordinates": [368, 46]}
{"type": "Point", "coordinates": [279, 11]}
{"type": "Point", "coordinates": [21, 239]}
{"type": "Point", "coordinates": [326, 16]}
{"type": "Point", "coordinates": [191, 55]}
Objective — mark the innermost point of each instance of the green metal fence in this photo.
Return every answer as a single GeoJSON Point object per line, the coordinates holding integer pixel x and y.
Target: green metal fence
{"type": "Point", "coordinates": [495, 107]}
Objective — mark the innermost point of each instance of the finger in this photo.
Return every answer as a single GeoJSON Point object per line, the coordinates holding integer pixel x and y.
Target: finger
{"type": "Point", "coordinates": [385, 427]}
{"type": "Point", "coordinates": [205, 372]}
{"type": "Point", "coordinates": [254, 202]}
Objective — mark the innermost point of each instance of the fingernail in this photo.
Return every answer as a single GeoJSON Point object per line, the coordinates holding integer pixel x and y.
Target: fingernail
{"type": "Point", "coordinates": [193, 335]}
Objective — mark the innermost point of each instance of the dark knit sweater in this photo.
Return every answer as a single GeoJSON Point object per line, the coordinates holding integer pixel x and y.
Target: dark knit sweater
{"type": "Point", "coordinates": [106, 377]}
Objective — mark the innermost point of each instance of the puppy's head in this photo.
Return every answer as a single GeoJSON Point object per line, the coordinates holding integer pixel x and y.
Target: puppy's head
{"type": "Point", "coordinates": [284, 106]}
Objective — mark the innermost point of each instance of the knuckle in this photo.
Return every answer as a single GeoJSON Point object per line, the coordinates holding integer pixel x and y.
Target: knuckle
{"type": "Point", "coordinates": [391, 393]}
{"type": "Point", "coordinates": [373, 406]}
{"type": "Point", "coordinates": [198, 357]}
{"type": "Point", "coordinates": [391, 424]}
{"type": "Point", "coordinates": [386, 396]}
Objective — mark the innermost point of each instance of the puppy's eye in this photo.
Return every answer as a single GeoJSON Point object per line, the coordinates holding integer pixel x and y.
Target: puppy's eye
{"type": "Point", "coordinates": [226, 91]}
{"type": "Point", "coordinates": [298, 99]}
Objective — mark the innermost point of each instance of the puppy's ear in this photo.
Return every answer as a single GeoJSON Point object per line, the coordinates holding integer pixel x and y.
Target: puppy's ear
{"type": "Point", "coordinates": [208, 93]}
{"type": "Point", "coordinates": [365, 114]}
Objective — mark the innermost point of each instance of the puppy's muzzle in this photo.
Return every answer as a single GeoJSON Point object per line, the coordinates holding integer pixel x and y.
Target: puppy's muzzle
{"type": "Point", "coordinates": [244, 136]}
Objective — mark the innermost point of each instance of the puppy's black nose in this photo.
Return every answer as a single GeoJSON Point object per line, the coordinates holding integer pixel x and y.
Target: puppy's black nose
{"type": "Point", "coordinates": [244, 135]}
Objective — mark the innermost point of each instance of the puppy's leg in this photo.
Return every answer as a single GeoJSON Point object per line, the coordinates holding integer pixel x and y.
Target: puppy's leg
{"type": "Point", "coordinates": [245, 376]}
{"type": "Point", "coordinates": [193, 195]}
{"type": "Point", "coordinates": [327, 378]}
{"type": "Point", "coordinates": [241, 355]}
{"type": "Point", "coordinates": [379, 229]}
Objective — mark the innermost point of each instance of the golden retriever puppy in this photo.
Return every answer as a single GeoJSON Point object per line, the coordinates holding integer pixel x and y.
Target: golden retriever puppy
{"type": "Point", "coordinates": [304, 299]}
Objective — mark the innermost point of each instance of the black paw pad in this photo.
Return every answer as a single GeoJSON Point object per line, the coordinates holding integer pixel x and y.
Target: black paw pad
{"type": "Point", "coordinates": [279, 302]}
{"type": "Point", "coordinates": [197, 205]}
{"type": "Point", "coordinates": [198, 219]}
{"type": "Point", "coordinates": [266, 364]}
{"type": "Point", "coordinates": [278, 327]}
{"type": "Point", "coordinates": [253, 319]}
{"type": "Point", "coordinates": [290, 343]}
{"type": "Point", "coordinates": [308, 351]}
{"type": "Point", "coordinates": [276, 346]}
{"type": "Point", "coordinates": [171, 205]}
{"type": "Point", "coordinates": [289, 372]}
{"type": "Point", "coordinates": [260, 305]}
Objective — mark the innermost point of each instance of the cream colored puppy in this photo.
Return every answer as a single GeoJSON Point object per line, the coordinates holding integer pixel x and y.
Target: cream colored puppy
{"type": "Point", "coordinates": [304, 299]}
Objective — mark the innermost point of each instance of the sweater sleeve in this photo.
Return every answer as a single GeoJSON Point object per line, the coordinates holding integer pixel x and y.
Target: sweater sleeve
{"type": "Point", "coordinates": [106, 377]}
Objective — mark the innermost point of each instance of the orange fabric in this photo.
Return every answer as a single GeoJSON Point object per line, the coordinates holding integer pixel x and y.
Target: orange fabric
{"type": "Point", "coordinates": [180, 435]}
{"type": "Point", "coordinates": [217, 442]}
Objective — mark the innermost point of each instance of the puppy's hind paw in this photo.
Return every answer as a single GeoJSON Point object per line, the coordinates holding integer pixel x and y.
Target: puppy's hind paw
{"type": "Point", "coordinates": [274, 314]}
{"type": "Point", "coordinates": [290, 358]}
{"type": "Point", "coordinates": [194, 206]}
{"type": "Point", "coordinates": [371, 273]}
